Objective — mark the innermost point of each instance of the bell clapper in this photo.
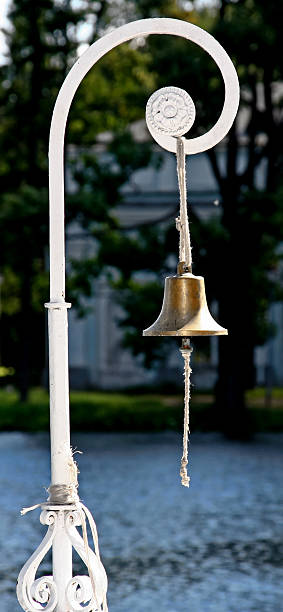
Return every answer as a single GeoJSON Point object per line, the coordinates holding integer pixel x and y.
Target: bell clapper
{"type": "Point", "coordinates": [186, 351]}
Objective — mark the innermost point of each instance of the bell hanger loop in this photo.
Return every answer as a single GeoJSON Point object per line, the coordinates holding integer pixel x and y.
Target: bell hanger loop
{"type": "Point", "coordinates": [185, 313]}
{"type": "Point", "coordinates": [171, 111]}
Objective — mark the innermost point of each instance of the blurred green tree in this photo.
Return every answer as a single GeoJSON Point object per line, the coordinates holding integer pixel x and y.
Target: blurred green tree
{"type": "Point", "coordinates": [43, 39]}
{"type": "Point", "coordinates": [40, 46]}
{"type": "Point", "coordinates": [240, 253]}
{"type": "Point", "coordinates": [237, 255]}
{"type": "Point", "coordinates": [250, 188]}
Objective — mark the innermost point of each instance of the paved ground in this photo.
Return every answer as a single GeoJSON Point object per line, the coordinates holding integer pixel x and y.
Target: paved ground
{"type": "Point", "coordinates": [217, 547]}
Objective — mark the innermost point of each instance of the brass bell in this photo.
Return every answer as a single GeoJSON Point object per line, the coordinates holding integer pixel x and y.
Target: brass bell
{"type": "Point", "coordinates": [184, 310]}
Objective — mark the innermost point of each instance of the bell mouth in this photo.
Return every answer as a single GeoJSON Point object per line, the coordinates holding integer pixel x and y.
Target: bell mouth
{"type": "Point", "coordinates": [185, 332]}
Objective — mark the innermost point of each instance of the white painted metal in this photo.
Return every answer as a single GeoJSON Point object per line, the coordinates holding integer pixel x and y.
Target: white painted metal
{"type": "Point", "coordinates": [86, 595]}
{"type": "Point", "coordinates": [144, 27]}
{"type": "Point", "coordinates": [62, 465]}
{"type": "Point", "coordinates": [127, 32]}
{"type": "Point", "coordinates": [61, 562]}
{"type": "Point", "coordinates": [170, 111]}
{"type": "Point", "coordinates": [62, 592]}
{"type": "Point", "coordinates": [61, 457]}
{"type": "Point", "coordinates": [33, 593]}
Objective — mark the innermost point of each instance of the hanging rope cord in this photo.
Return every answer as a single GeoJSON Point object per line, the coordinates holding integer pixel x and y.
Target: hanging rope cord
{"type": "Point", "coordinates": [185, 258]}
{"type": "Point", "coordinates": [182, 223]}
{"type": "Point", "coordinates": [186, 351]}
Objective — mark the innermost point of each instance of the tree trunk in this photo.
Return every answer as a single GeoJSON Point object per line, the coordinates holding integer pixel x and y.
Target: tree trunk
{"type": "Point", "coordinates": [235, 351]}
{"type": "Point", "coordinates": [236, 370]}
{"type": "Point", "coordinates": [232, 415]}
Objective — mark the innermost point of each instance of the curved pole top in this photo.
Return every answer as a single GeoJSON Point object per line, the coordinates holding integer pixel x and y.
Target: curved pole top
{"type": "Point", "coordinates": [96, 51]}
{"type": "Point", "coordinates": [144, 27]}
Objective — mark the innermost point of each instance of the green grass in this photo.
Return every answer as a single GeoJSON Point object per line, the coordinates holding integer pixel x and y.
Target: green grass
{"type": "Point", "coordinates": [91, 410]}
{"type": "Point", "coordinates": [260, 392]}
{"type": "Point", "coordinates": [266, 412]}
{"type": "Point", "coordinates": [112, 411]}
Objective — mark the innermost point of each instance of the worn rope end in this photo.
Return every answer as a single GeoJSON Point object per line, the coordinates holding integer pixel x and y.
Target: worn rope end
{"type": "Point", "coordinates": [185, 479]}
{"type": "Point", "coordinates": [26, 510]}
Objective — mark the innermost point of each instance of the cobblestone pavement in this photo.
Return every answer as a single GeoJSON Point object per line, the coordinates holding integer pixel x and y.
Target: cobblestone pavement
{"type": "Point", "coordinates": [216, 547]}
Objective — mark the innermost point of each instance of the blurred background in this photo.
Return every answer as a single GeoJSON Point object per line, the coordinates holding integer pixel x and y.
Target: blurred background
{"type": "Point", "coordinates": [121, 242]}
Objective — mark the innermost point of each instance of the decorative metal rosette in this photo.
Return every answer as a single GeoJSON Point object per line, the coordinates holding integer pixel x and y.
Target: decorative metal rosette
{"type": "Point", "coordinates": [170, 110]}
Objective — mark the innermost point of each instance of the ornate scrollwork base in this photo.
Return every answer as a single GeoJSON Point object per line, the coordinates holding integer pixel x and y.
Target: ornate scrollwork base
{"type": "Point", "coordinates": [86, 593]}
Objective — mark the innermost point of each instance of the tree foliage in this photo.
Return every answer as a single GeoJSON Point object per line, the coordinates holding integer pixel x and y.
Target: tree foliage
{"type": "Point", "coordinates": [238, 254]}
{"type": "Point", "coordinates": [43, 40]}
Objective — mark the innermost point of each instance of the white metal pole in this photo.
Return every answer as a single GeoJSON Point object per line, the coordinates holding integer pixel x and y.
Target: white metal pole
{"type": "Point", "coordinates": [63, 470]}
{"type": "Point", "coordinates": [61, 562]}
{"type": "Point", "coordinates": [59, 513]}
{"type": "Point", "coordinates": [61, 457]}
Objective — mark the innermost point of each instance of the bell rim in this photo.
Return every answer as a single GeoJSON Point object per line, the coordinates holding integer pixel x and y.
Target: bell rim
{"type": "Point", "coordinates": [186, 332]}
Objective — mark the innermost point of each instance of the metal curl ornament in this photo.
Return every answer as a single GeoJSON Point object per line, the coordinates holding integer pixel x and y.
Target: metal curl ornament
{"type": "Point", "coordinates": [34, 594]}
{"type": "Point", "coordinates": [86, 593]}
